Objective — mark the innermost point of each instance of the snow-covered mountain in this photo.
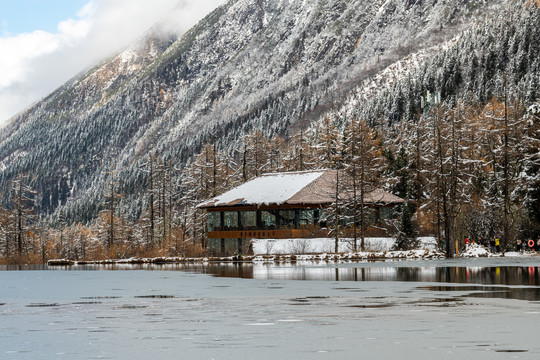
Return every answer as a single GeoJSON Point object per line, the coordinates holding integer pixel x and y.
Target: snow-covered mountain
{"type": "Point", "coordinates": [273, 65]}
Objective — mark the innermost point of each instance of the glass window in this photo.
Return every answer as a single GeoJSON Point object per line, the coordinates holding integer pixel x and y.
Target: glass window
{"type": "Point", "coordinates": [286, 219]}
{"type": "Point", "coordinates": [249, 220]}
{"type": "Point", "coordinates": [346, 217]}
{"type": "Point", "coordinates": [387, 213]}
{"type": "Point", "coordinates": [323, 218]}
{"type": "Point", "coordinates": [307, 217]}
{"type": "Point", "coordinates": [214, 223]}
{"type": "Point", "coordinates": [370, 215]}
{"type": "Point", "coordinates": [231, 220]}
{"type": "Point", "coordinates": [268, 219]}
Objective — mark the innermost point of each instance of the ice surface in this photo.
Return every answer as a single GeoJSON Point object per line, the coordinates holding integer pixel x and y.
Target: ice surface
{"type": "Point", "coordinates": [180, 314]}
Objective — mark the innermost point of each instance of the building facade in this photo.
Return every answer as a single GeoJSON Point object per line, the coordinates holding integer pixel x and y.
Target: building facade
{"type": "Point", "coordinates": [283, 206]}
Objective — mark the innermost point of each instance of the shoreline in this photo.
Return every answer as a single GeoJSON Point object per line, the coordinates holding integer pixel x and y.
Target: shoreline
{"type": "Point", "coordinates": [281, 258]}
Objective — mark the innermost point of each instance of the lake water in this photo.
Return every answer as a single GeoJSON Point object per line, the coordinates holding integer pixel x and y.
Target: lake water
{"type": "Point", "coordinates": [474, 308]}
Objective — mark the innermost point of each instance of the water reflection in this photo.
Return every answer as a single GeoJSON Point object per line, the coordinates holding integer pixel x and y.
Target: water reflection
{"type": "Point", "coordinates": [487, 275]}
{"type": "Point", "coordinates": [504, 275]}
{"type": "Point", "coordinates": [500, 292]}
{"type": "Point", "coordinates": [513, 281]}
{"type": "Point", "coordinates": [520, 283]}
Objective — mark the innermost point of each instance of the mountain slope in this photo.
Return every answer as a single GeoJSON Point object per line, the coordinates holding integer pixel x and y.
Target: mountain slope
{"type": "Point", "coordinates": [273, 65]}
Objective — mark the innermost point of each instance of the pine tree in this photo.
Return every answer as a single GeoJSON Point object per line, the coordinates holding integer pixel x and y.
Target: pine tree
{"type": "Point", "coordinates": [406, 238]}
{"type": "Point", "coordinates": [399, 173]}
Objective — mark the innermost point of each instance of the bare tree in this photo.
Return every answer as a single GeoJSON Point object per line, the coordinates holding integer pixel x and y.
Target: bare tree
{"type": "Point", "coordinates": [22, 213]}
{"type": "Point", "coordinates": [363, 166]}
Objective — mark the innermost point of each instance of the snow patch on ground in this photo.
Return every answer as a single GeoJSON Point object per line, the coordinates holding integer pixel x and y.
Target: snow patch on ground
{"type": "Point", "coordinates": [521, 253]}
{"type": "Point", "coordinates": [327, 245]}
{"type": "Point", "coordinates": [475, 250]}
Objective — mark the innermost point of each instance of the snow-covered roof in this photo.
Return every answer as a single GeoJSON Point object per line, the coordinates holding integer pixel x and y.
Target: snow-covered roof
{"type": "Point", "coordinates": [275, 188]}
{"type": "Point", "coordinates": [292, 188]}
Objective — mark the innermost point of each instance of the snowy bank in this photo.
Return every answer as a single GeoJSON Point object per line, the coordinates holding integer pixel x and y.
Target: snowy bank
{"type": "Point", "coordinates": [310, 250]}
{"type": "Point", "coordinates": [278, 258]}
{"type": "Point", "coordinates": [475, 250]}
{"type": "Point", "coordinates": [327, 245]}
{"type": "Point", "coordinates": [292, 250]}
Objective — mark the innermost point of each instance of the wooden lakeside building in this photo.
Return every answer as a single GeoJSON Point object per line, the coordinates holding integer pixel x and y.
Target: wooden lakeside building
{"type": "Point", "coordinates": [282, 206]}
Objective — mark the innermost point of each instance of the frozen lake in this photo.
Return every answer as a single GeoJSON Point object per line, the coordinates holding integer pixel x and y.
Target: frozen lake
{"type": "Point", "coordinates": [466, 308]}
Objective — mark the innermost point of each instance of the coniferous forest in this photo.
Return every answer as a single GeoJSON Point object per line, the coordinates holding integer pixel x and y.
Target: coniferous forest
{"type": "Point", "coordinates": [449, 121]}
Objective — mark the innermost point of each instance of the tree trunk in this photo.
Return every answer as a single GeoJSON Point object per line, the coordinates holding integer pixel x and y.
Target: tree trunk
{"type": "Point", "coordinates": [336, 220]}
{"type": "Point", "coordinates": [506, 173]}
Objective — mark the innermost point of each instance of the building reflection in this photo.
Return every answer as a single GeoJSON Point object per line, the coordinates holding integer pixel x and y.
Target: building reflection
{"type": "Point", "coordinates": [501, 275]}
{"type": "Point", "coordinates": [489, 275]}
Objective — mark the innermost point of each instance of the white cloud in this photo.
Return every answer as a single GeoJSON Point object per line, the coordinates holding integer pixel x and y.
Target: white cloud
{"type": "Point", "coordinates": [17, 51]}
{"type": "Point", "coordinates": [36, 63]}
{"type": "Point", "coordinates": [87, 10]}
{"type": "Point", "coordinates": [4, 26]}
{"type": "Point", "coordinates": [74, 30]}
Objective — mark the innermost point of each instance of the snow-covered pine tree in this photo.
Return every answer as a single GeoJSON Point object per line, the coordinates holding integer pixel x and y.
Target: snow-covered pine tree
{"type": "Point", "coordinates": [399, 176]}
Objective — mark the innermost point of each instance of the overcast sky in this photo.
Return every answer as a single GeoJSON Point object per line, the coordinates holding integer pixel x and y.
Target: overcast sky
{"type": "Point", "coordinates": [44, 43]}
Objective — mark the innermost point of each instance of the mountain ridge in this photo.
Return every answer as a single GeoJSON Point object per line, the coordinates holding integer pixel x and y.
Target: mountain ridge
{"type": "Point", "coordinates": [250, 64]}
